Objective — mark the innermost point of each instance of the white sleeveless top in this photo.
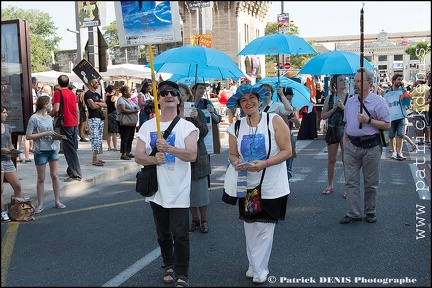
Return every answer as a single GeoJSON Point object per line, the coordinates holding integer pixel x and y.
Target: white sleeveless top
{"type": "Point", "coordinates": [252, 144]}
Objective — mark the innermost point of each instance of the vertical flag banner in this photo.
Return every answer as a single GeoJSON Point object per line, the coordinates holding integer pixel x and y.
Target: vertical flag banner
{"type": "Point", "coordinates": [90, 13]}
{"type": "Point", "coordinates": [147, 22]}
{"type": "Point", "coordinates": [283, 23]}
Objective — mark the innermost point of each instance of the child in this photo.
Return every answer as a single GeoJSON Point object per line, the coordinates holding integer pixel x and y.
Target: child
{"type": "Point", "coordinates": [47, 146]}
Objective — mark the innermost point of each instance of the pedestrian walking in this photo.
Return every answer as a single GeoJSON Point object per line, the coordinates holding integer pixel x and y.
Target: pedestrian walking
{"type": "Point", "coordinates": [263, 141]}
{"type": "Point", "coordinates": [170, 204]}
{"type": "Point", "coordinates": [363, 148]}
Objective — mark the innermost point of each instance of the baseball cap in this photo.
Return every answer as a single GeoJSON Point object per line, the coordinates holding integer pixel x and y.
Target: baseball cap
{"type": "Point", "coordinates": [169, 84]}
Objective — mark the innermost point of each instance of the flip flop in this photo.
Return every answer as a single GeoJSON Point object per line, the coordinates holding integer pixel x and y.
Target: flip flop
{"type": "Point", "coordinates": [327, 191]}
{"type": "Point", "coordinates": [98, 164]}
{"type": "Point", "coordinates": [37, 211]}
{"type": "Point", "coordinates": [413, 148]}
{"type": "Point", "coordinates": [61, 206]}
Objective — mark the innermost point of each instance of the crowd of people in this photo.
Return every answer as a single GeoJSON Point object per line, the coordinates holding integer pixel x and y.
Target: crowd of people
{"type": "Point", "coordinates": [261, 139]}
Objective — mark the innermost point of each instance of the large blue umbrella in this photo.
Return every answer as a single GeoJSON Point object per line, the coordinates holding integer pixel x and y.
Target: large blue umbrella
{"type": "Point", "coordinates": [301, 93]}
{"type": "Point", "coordinates": [275, 44]}
{"type": "Point", "coordinates": [334, 62]}
{"type": "Point", "coordinates": [196, 61]}
{"type": "Point", "coordinates": [278, 44]}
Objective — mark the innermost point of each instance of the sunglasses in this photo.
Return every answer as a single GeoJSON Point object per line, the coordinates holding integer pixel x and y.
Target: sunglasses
{"type": "Point", "coordinates": [174, 93]}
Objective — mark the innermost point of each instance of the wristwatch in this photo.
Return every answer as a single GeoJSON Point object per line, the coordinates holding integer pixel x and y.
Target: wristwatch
{"type": "Point", "coordinates": [370, 120]}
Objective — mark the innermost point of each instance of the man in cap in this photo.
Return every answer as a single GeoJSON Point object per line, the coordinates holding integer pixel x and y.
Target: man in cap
{"type": "Point", "coordinates": [170, 204]}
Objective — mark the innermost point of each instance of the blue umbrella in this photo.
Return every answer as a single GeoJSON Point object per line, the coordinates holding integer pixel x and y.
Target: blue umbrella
{"type": "Point", "coordinates": [196, 61]}
{"type": "Point", "coordinates": [275, 44]}
{"type": "Point", "coordinates": [334, 62]}
{"type": "Point", "coordinates": [301, 93]}
{"type": "Point", "coordinates": [278, 44]}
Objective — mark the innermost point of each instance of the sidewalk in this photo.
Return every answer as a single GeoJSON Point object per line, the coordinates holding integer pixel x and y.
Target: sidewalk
{"type": "Point", "coordinates": [114, 168]}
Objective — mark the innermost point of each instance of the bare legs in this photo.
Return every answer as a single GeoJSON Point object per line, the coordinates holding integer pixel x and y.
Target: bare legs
{"type": "Point", "coordinates": [40, 185]}
{"type": "Point", "coordinates": [13, 180]}
{"type": "Point", "coordinates": [332, 151]}
{"type": "Point", "coordinates": [112, 141]}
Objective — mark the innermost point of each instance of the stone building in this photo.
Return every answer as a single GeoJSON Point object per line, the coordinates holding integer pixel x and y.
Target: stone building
{"type": "Point", "coordinates": [231, 25]}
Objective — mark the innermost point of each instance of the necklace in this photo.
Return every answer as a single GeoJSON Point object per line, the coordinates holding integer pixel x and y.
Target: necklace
{"type": "Point", "coordinates": [252, 135]}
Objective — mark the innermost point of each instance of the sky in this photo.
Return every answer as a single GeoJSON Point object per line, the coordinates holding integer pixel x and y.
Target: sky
{"type": "Point", "coordinates": [312, 18]}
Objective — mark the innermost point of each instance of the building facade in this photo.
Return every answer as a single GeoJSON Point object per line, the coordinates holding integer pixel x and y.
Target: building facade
{"type": "Point", "coordinates": [230, 25]}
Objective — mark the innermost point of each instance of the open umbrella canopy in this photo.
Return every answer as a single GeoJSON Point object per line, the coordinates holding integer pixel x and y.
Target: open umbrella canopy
{"type": "Point", "coordinates": [278, 44]}
{"type": "Point", "coordinates": [334, 62]}
{"type": "Point", "coordinates": [196, 61]}
{"type": "Point", "coordinates": [301, 93]}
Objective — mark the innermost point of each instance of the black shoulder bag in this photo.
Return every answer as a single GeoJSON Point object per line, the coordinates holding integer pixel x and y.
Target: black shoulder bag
{"type": "Point", "coordinates": [59, 120]}
{"type": "Point", "coordinates": [383, 133]}
{"type": "Point", "coordinates": [147, 183]}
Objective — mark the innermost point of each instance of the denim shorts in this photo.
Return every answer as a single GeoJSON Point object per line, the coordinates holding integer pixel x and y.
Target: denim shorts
{"type": "Point", "coordinates": [43, 157]}
{"type": "Point", "coordinates": [7, 166]}
{"type": "Point", "coordinates": [397, 128]}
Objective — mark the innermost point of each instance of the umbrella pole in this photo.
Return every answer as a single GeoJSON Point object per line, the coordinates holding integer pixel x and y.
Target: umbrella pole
{"type": "Point", "coordinates": [155, 101]}
{"type": "Point", "coordinates": [361, 59]}
{"type": "Point", "coordinates": [277, 63]}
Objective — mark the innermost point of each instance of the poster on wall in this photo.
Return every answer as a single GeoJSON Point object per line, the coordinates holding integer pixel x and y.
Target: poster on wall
{"type": "Point", "coordinates": [204, 40]}
{"type": "Point", "coordinates": [147, 22]}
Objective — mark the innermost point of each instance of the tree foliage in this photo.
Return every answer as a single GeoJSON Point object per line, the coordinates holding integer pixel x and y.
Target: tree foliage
{"type": "Point", "coordinates": [295, 61]}
{"type": "Point", "coordinates": [43, 36]}
{"type": "Point", "coordinates": [419, 51]}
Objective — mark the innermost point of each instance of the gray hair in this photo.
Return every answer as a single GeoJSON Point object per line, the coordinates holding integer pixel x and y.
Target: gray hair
{"type": "Point", "coordinates": [368, 73]}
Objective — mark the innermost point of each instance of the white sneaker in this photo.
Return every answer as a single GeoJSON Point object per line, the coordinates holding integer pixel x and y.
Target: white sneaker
{"type": "Point", "coordinates": [4, 216]}
{"type": "Point", "coordinates": [394, 154]}
{"type": "Point", "coordinates": [249, 273]}
{"type": "Point", "coordinates": [259, 281]}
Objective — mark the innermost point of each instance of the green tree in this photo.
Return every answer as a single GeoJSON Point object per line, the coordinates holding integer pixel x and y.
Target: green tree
{"type": "Point", "coordinates": [111, 36]}
{"type": "Point", "coordinates": [295, 61]}
{"type": "Point", "coordinates": [43, 35]}
{"type": "Point", "coordinates": [419, 51]}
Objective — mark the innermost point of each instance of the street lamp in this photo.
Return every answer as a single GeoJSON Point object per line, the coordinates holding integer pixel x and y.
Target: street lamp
{"type": "Point", "coordinates": [78, 35]}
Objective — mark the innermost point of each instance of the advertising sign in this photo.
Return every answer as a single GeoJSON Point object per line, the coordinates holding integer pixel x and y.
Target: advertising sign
{"type": "Point", "coordinates": [84, 70]}
{"type": "Point", "coordinates": [147, 22]}
{"type": "Point", "coordinates": [283, 23]}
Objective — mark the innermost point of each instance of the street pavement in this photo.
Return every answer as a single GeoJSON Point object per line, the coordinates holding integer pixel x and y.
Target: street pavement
{"type": "Point", "coordinates": [106, 238]}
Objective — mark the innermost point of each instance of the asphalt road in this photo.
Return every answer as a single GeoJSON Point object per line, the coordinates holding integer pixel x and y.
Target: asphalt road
{"type": "Point", "coordinates": [107, 237]}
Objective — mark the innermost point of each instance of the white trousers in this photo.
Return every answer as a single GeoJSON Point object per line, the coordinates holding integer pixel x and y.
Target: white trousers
{"type": "Point", "coordinates": [259, 243]}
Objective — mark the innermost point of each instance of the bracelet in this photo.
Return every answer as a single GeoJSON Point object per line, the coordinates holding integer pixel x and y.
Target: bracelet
{"type": "Point", "coordinates": [267, 163]}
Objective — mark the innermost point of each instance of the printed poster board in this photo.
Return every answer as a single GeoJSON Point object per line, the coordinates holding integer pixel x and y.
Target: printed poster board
{"type": "Point", "coordinates": [147, 22]}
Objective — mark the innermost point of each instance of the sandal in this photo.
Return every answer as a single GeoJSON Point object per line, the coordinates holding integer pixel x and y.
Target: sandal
{"type": "Point", "coordinates": [195, 225]}
{"type": "Point", "coordinates": [327, 191]}
{"type": "Point", "coordinates": [413, 148]}
{"type": "Point", "coordinates": [181, 281]}
{"type": "Point", "coordinates": [168, 276]}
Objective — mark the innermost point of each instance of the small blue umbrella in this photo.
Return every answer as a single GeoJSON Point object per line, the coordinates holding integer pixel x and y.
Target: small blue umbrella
{"type": "Point", "coordinates": [301, 93]}
{"type": "Point", "coordinates": [334, 62]}
{"type": "Point", "coordinates": [196, 61]}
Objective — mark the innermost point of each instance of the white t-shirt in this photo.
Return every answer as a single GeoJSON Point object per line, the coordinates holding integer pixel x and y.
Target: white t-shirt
{"type": "Point", "coordinates": [174, 177]}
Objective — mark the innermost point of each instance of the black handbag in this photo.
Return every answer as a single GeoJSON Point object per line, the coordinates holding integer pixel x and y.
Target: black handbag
{"type": "Point", "coordinates": [332, 135]}
{"type": "Point", "coordinates": [147, 183]}
{"type": "Point", "coordinates": [59, 120]}
{"type": "Point", "coordinates": [384, 134]}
